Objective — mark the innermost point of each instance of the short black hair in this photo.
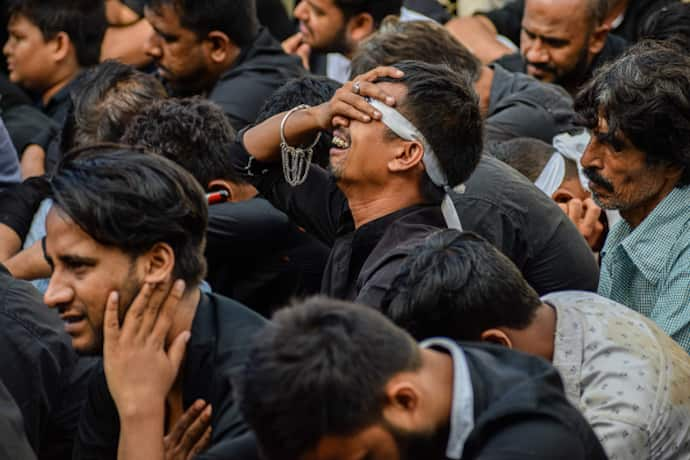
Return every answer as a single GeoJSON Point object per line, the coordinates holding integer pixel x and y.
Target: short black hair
{"type": "Point", "coordinates": [320, 368]}
{"type": "Point", "coordinates": [192, 132]}
{"type": "Point", "coordinates": [458, 285]}
{"type": "Point", "coordinates": [235, 18]}
{"type": "Point", "coordinates": [527, 155]}
{"type": "Point", "coordinates": [130, 200]}
{"type": "Point", "coordinates": [83, 21]}
{"type": "Point", "coordinates": [311, 90]}
{"type": "Point", "coordinates": [644, 96]}
{"type": "Point", "coordinates": [414, 40]}
{"type": "Point", "coordinates": [445, 109]}
{"type": "Point", "coordinates": [670, 24]}
{"type": "Point", "coordinates": [378, 9]}
{"type": "Point", "coordinates": [110, 95]}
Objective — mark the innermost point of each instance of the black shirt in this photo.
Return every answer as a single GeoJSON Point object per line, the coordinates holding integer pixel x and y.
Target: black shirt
{"type": "Point", "coordinates": [221, 335]}
{"type": "Point", "coordinates": [521, 411]}
{"type": "Point", "coordinates": [13, 443]}
{"type": "Point", "coordinates": [504, 207]}
{"type": "Point", "coordinates": [260, 69]}
{"type": "Point", "coordinates": [19, 203]}
{"type": "Point", "coordinates": [40, 368]}
{"type": "Point", "coordinates": [258, 257]}
{"type": "Point", "coordinates": [521, 106]}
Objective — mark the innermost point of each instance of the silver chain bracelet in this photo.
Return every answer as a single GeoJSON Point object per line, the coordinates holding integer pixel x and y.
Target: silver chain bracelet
{"type": "Point", "coordinates": [296, 160]}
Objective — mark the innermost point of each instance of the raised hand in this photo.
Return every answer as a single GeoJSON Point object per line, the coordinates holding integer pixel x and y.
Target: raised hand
{"type": "Point", "coordinates": [191, 434]}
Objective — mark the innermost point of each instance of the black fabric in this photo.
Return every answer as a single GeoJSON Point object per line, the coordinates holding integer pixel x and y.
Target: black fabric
{"type": "Point", "coordinates": [499, 204]}
{"type": "Point", "coordinates": [59, 105]}
{"type": "Point", "coordinates": [13, 443]}
{"type": "Point", "coordinates": [258, 257]}
{"type": "Point", "coordinates": [260, 70]}
{"type": "Point", "coordinates": [521, 411]}
{"type": "Point", "coordinates": [274, 16]}
{"type": "Point", "coordinates": [19, 203]}
{"type": "Point", "coordinates": [508, 19]}
{"type": "Point", "coordinates": [40, 368]}
{"type": "Point", "coordinates": [221, 336]}
{"type": "Point", "coordinates": [521, 106]}
{"type": "Point", "coordinates": [614, 47]}
{"type": "Point", "coordinates": [504, 207]}
{"type": "Point", "coordinates": [429, 8]}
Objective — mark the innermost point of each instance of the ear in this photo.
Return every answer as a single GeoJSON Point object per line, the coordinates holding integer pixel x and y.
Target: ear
{"type": "Point", "coordinates": [159, 263]}
{"type": "Point", "coordinates": [62, 46]}
{"type": "Point", "coordinates": [360, 27]}
{"type": "Point", "coordinates": [217, 185]}
{"type": "Point", "coordinates": [409, 156]}
{"type": "Point", "coordinates": [403, 403]}
{"type": "Point", "coordinates": [598, 39]}
{"type": "Point", "coordinates": [219, 48]}
{"type": "Point", "coordinates": [497, 337]}
{"type": "Point", "coordinates": [562, 195]}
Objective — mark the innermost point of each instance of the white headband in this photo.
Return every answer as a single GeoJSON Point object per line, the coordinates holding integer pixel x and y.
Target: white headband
{"type": "Point", "coordinates": [573, 147]}
{"type": "Point", "coordinates": [552, 175]}
{"type": "Point", "coordinates": [401, 126]}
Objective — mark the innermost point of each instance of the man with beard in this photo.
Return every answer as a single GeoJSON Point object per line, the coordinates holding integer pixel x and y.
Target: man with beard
{"type": "Point", "coordinates": [638, 162]}
{"type": "Point", "coordinates": [361, 388]}
{"type": "Point", "coordinates": [128, 222]}
{"type": "Point", "coordinates": [564, 41]}
{"type": "Point", "coordinates": [217, 48]}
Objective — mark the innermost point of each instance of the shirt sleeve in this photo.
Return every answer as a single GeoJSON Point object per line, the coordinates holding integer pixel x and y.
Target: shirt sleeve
{"type": "Point", "coordinates": [671, 311]}
{"type": "Point", "coordinates": [19, 203]}
{"type": "Point", "coordinates": [317, 205]}
{"type": "Point", "coordinates": [13, 442]}
{"type": "Point", "coordinates": [620, 439]}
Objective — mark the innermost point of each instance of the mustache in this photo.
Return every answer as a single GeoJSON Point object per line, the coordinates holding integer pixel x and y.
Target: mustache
{"type": "Point", "coordinates": [598, 179]}
{"type": "Point", "coordinates": [543, 67]}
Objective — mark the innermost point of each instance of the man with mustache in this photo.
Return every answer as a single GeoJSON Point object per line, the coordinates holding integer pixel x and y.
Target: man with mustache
{"type": "Point", "coordinates": [638, 162]}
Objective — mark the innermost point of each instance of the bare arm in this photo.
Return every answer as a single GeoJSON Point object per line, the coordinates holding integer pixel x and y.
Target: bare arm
{"type": "Point", "coordinates": [10, 242]}
{"type": "Point", "coordinates": [29, 264]}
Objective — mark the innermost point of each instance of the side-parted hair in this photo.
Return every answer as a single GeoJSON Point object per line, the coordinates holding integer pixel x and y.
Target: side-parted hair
{"type": "Point", "coordinates": [83, 21]}
{"type": "Point", "coordinates": [423, 41]}
{"type": "Point", "coordinates": [192, 132]}
{"type": "Point", "coordinates": [458, 285]}
{"type": "Point", "coordinates": [131, 200]}
{"type": "Point", "coordinates": [235, 18]}
{"type": "Point", "coordinates": [445, 109]}
{"type": "Point", "coordinates": [644, 96]}
{"type": "Point", "coordinates": [320, 368]}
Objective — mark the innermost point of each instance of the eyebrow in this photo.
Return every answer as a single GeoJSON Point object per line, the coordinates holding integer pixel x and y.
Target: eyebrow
{"type": "Point", "coordinates": [546, 38]}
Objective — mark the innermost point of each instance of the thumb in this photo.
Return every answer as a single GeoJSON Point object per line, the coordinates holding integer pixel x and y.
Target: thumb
{"type": "Point", "coordinates": [176, 350]}
{"type": "Point", "coordinates": [304, 52]}
{"type": "Point", "coordinates": [291, 43]}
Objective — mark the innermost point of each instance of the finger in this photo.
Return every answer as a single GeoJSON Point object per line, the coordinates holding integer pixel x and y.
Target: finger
{"type": "Point", "coordinates": [591, 218]}
{"type": "Point", "coordinates": [340, 121]}
{"type": "Point", "coordinates": [149, 317]}
{"type": "Point", "coordinates": [183, 423]}
{"type": "Point", "coordinates": [564, 208]}
{"type": "Point", "coordinates": [344, 109]}
{"type": "Point", "coordinates": [291, 43]}
{"type": "Point", "coordinates": [376, 92]}
{"type": "Point", "coordinates": [136, 310]}
{"type": "Point", "coordinates": [197, 429]}
{"type": "Point", "coordinates": [167, 312]}
{"type": "Point", "coordinates": [304, 52]}
{"type": "Point", "coordinates": [176, 350]}
{"type": "Point", "coordinates": [381, 72]}
{"type": "Point", "coordinates": [575, 209]}
{"type": "Point", "coordinates": [111, 322]}
{"type": "Point", "coordinates": [202, 444]}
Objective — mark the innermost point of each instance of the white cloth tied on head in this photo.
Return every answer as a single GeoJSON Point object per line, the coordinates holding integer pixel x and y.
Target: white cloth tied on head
{"type": "Point", "coordinates": [402, 127]}
{"type": "Point", "coordinates": [552, 175]}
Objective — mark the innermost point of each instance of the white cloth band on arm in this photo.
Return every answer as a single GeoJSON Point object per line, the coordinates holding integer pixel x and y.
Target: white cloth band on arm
{"type": "Point", "coordinates": [552, 175]}
{"type": "Point", "coordinates": [402, 127]}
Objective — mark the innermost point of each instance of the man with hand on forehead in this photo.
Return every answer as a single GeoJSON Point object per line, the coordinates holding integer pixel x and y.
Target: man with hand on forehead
{"type": "Point", "coordinates": [402, 137]}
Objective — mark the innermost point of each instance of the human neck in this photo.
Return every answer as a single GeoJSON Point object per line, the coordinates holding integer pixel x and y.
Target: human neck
{"type": "Point", "coordinates": [60, 82]}
{"type": "Point", "coordinates": [635, 216]}
{"type": "Point", "coordinates": [483, 88]}
{"type": "Point", "coordinates": [537, 338]}
{"type": "Point", "coordinates": [438, 369]}
{"type": "Point", "coordinates": [366, 207]}
{"type": "Point", "coordinates": [184, 315]}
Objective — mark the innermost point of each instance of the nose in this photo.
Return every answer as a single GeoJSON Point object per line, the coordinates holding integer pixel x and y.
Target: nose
{"type": "Point", "coordinates": [6, 48]}
{"type": "Point", "coordinates": [153, 46]}
{"type": "Point", "coordinates": [58, 293]}
{"type": "Point", "coordinates": [300, 11]}
{"type": "Point", "coordinates": [536, 52]}
{"type": "Point", "coordinates": [591, 157]}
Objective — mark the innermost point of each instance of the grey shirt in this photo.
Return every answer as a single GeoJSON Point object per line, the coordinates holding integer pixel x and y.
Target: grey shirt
{"type": "Point", "coordinates": [9, 162]}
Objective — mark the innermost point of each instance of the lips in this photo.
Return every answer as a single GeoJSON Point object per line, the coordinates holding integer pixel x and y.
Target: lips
{"type": "Point", "coordinates": [341, 139]}
{"type": "Point", "coordinates": [74, 322]}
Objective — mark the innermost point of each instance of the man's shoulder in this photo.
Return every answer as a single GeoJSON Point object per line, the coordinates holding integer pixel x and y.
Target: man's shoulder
{"type": "Point", "coordinates": [229, 315]}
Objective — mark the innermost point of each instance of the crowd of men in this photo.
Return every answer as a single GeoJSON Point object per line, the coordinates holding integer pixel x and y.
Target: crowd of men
{"type": "Point", "coordinates": [345, 229]}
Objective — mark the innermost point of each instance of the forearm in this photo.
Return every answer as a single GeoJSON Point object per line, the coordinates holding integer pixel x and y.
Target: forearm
{"type": "Point", "coordinates": [141, 436]}
{"type": "Point", "coordinates": [29, 264]}
{"type": "Point", "coordinates": [10, 242]}
{"type": "Point", "coordinates": [263, 140]}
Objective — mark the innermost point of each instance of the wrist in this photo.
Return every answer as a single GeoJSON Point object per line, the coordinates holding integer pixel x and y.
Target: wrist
{"type": "Point", "coordinates": [151, 410]}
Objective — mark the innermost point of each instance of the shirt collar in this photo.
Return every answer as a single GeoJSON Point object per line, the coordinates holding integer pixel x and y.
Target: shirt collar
{"type": "Point", "coordinates": [648, 246]}
{"type": "Point", "coordinates": [462, 411]}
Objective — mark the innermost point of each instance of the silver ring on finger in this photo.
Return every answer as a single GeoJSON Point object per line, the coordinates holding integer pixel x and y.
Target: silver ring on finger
{"type": "Point", "coordinates": [356, 87]}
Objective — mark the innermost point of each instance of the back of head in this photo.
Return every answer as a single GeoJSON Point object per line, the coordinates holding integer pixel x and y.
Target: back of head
{"type": "Point", "coordinates": [82, 20]}
{"type": "Point", "coordinates": [320, 368]}
{"type": "Point", "coordinates": [644, 96]}
{"type": "Point", "coordinates": [235, 18]}
{"type": "Point", "coordinates": [422, 41]}
{"type": "Point", "coordinates": [458, 285]}
{"type": "Point", "coordinates": [378, 9]}
{"type": "Point", "coordinates": [527, 155]}
{"type": "Point", "coordinates": [193, 132]}
{"type": "Point", "coordinates": [130, 200]}
{"type": "Point", "coordinates": [670, 24]}
{"type": "Point", "coordinates": [110, 95]}
{"type": "Point", "coordinates": [445, 109]}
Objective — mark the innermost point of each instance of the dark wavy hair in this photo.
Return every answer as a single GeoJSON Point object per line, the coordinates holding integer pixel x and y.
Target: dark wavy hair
{"type": "Point", "coordinates": [644, 96]}
{"type": "Point", "coordinates": [378, 9]}
{"type": "Point", "coordinates": [128, 199]}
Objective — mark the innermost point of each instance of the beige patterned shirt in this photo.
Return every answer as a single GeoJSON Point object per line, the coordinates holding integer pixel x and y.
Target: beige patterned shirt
{"type": "Point", "coordinates": [630, 380]}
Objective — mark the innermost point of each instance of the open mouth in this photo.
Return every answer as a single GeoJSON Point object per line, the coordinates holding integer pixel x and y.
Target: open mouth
{"type": "Point", "coordinates": [340, 140]}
